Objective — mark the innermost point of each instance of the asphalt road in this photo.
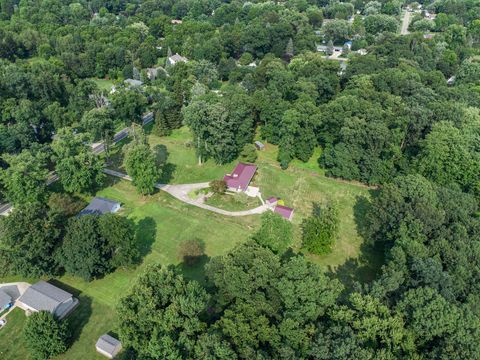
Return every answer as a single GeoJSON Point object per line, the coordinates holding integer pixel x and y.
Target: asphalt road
{"type": "Point", "coordinates": [405, 22]}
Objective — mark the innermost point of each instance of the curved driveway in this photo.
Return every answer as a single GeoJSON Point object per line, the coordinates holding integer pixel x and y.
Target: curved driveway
{"type": "Point", "coordinates": [181, 193]}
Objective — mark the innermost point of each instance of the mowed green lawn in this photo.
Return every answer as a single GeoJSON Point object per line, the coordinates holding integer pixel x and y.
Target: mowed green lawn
{"type": "Point", "coordinates": [163, 222]}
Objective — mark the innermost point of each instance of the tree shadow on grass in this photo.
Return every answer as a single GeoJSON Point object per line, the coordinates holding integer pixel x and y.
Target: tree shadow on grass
{"type": "Point", "coordinates": [168, 169]}
{"type": "Point", "coordinates": [195, 270]}
{"type": "Point", "coordinates": [367, 266]}
{"type": "Point", "coordinates": [356, 272]}
{"type": "Point", "coordinates": [80, 315]}
{"type": "Point", "coordinates": [145, 234]}
{"type": "Point", "coordinates": [167, 173]}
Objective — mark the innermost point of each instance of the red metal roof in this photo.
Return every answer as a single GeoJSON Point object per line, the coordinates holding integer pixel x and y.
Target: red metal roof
{"type": "Point", "coordinates": [285, 211]}
{"type": "Point", "coordinates": [241, 176]}
{"type": "Point", "coordinates": [272, 200]}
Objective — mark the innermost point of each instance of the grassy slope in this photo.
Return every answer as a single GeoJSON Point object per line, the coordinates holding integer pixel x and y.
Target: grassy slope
{"type": "Point", "coordinates": [163, 222]}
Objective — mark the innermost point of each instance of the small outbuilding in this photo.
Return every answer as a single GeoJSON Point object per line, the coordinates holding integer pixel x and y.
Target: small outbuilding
{"type": "Point", "coordinates": [108, 346]}
{"type": "Point", "coordinates": [272, 201]}
{"type": "Point", "coordinates": [100, 206]}
{"type": "Point", "coordinates": [284, 211]}
{"type": "Point", "coordinates": [259, 145]}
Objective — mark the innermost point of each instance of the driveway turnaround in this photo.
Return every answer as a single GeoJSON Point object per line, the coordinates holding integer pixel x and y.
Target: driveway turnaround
{"type": "Point", "coordinates": [181, 193]}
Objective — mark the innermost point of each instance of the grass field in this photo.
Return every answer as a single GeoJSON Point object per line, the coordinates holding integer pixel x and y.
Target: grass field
{"type": "Point", "coordinates": [233, 202]}
{"type": "Point", "coordinates": [103, 84]}
{"type": "Point", "coordinates": [163, 222]}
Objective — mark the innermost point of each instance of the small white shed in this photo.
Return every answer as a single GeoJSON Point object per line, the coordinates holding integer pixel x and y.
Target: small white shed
{"type": "Point", "coordinates": [108, 346]}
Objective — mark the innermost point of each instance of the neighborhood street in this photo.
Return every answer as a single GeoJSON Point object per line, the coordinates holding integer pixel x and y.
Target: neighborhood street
{"type": "Point", "coordinates": [405, 22]}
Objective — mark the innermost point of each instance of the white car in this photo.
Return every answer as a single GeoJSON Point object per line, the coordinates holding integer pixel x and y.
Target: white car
{"type": "Point", "coordinates": [3, 323]}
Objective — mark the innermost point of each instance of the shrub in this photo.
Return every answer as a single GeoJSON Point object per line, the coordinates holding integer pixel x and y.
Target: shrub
{"type": "Point", "coordinates": [45, 336]}
{"type": "Point", "coordinates": [218, 186]}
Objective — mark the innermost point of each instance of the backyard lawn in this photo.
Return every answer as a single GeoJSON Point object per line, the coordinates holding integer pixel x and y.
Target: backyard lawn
{"type": "Point", "coordinates": [103, 84]}
{"type": "Point", "coordinates": [163, 223]}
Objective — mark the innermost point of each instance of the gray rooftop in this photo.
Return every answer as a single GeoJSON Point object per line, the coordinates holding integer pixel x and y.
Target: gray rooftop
{"type": "Point", "coordinates": [44, 296]}
{"type": "Point", "coordinates": [11, 290]}
{"type": "Point", "coordinates": [133, 82]}
{"type": "Point", "coordinates": [5, 299]}
{"type": "Point", "coordinates": [99, 206]}
{"type": "Point", "coordinates": [177, 58]}
{"type": "Point", "coordinates": [108, 344]}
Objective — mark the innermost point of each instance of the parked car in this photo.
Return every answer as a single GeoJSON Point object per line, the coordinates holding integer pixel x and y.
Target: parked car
{"type": "Point", "coordinates": [3, 323]}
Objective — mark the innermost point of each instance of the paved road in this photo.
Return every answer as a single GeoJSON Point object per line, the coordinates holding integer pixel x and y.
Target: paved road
{"type": "Point", "coordinates": [181, 193]}
{"type": "Point", "coordinates": [405, 22]}
{"type": "Point", "coordinates": [97, 148]}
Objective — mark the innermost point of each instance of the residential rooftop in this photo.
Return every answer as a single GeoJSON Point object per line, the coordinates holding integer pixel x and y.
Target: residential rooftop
{"type": "Point", "coordinates": [100, 206]}
{"type": "Point", "coordinates": [241, 176]}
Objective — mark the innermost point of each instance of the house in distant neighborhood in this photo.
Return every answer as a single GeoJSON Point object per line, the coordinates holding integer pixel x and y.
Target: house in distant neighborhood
{"type": "Point", "coordinates": [5, 300]}
{"type": "Point", "coordinates": [108, 346]}
{"type": "Point", "coordinates": [152, 73]}
{"type": "Point", "coordinates": [362, 52]}
{"type": "Point", "coordinates": [175, 59]}
{"type": "Point", "coordinates": [259, 145]}
{"type": "Point", "coordinates": [100, 206]}
{"type": "Point", "coordinates": [132, 83]}
{"type": "Point", "coordinates": [240, 178]}
{"type": "Point", "coordinates": [284, 211]}
{"type": "Point", "coordinates": [451, 80]}
{"type": "Point", "coordinates": [176, 22]}
{"type": "Point", "coordinates": [45, 296]}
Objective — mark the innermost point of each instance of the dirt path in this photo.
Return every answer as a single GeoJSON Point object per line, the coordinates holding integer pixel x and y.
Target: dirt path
{"type": "Point", "coordinates": [181, 192]}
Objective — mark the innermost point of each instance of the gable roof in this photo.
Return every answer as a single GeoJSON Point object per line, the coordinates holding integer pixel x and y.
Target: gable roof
{"type": "Point", "coordinates": [241, 176]}
{"type": "Point", "coordinates": [133, 82]}
{"type": "Point", "coordinates": [176, 58]}
{"type": "Point", "coordinates": [284, 211]}
{"type": "Point", "coordinates": [99, 206]}
{"type": "Point", "coordinates": [44, 296]}
{"type": "Point", "coordinates": [272, 200]}
{"type": "Point", "coordinates": [5, 299]}
{"type": "Point", "coordinates": [108, 344]}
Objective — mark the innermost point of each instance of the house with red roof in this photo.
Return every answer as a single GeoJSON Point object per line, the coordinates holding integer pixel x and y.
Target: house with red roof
{"type": "Point", "coordinates": [240, 178]}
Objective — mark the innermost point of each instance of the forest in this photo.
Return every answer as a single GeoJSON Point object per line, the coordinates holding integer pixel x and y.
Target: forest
{"type": "Point", "coordinates": [400, 113]}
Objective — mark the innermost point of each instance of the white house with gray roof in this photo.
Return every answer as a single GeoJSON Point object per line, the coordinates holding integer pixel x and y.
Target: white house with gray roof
{"type": "Point", "coordinates": [44, 296]}
{"type": "Point", "coordinates": [108, 346]}
{"type": "Point", "coordinates": [174, 59]}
